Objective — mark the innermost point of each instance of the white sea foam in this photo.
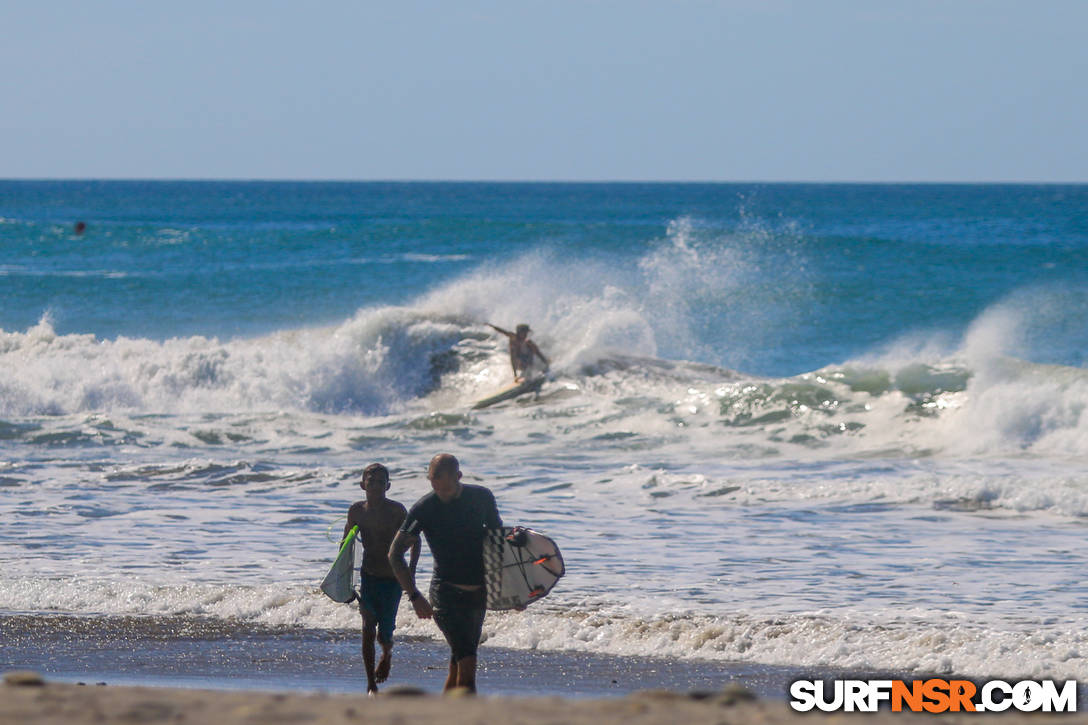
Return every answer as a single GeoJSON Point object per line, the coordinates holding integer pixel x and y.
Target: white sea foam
{"type": "Point", "coordinates": [365, 364]}
{"type": "Point", "coordinates": [404, 361]}
{"type": "Point", "coordinates": [903, 642]}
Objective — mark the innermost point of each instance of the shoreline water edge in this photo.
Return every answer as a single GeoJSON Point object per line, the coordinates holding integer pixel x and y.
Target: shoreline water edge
{"type": "Point", "coordinates": [200, 653]}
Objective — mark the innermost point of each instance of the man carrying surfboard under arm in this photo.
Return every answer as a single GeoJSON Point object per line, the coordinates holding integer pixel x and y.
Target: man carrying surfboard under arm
{"type": "Point", "coordinates": [454, 517]}
{"type": "Point", "coordinates": [523, 351]}
{"type": "Point", "coordinates": [378, 519]}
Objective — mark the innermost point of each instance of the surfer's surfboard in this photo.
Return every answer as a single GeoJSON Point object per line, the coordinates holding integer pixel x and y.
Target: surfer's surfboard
{"type": "Point", "coordinates": [339, 584]}
{"type": "Point", "coordinates": [525, 386]}
{"type": "Point", "coordinates": [520, 567]}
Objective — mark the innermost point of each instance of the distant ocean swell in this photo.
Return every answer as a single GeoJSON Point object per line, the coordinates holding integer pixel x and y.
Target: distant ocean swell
{"type": "Point", "coordinates": [402, 362]}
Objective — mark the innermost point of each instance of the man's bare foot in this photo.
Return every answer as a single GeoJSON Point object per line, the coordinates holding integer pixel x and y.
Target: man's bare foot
{"type": "Point", "coordinates": [381, 674]}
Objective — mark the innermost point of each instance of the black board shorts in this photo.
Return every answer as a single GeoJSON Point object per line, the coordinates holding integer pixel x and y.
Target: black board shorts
{"type": "Point", "coordinates": [459, 615]}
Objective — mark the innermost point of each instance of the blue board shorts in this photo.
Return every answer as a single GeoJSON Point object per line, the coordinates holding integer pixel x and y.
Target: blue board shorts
{"type": "Point", "coordinates": [379, 597]}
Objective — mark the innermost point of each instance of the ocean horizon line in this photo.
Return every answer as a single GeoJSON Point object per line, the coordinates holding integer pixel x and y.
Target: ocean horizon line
{"type": "Point", "coordinates": [538, 182]}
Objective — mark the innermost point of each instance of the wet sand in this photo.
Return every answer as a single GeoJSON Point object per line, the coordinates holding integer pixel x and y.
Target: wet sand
{"type": "Point", "coordinates": [191, 670]}
{"type": "Point", "coordinates": [215, 654]}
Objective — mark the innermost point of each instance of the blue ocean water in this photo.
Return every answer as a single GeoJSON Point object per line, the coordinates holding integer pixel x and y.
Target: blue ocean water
{"type": "Point", "coordinates": [825, 272]}
{"type": "Point", "coordinates": [800, 425]}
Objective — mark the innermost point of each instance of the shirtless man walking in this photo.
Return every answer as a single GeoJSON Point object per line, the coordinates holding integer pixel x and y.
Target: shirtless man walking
{"type": "Point", "coordinates": [523, 351]}
{"type": "Point", "coordinates": [378, 519]}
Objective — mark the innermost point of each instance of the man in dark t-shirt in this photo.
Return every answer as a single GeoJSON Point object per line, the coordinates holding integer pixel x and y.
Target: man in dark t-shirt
{"type": "Point", "coordinates": [454, 518]}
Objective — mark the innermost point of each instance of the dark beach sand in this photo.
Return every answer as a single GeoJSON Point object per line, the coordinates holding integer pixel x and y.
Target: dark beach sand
{"type": "Point", "coordinates": [194, 652]}
{"type": "Point", "coordinates": [148, 670]}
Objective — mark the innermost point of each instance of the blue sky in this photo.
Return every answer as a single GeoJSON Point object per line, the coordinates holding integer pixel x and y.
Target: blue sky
{"type": "Point", "coordinates": [726, 90]}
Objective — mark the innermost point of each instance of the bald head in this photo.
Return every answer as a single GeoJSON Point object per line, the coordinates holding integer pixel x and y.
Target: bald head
{"type": "Point", "coordinates": [444, 464]}
{"type": "Point", "coordinates": [444, 474]}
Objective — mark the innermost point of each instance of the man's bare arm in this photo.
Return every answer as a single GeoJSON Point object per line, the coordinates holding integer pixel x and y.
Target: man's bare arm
{"type": "Point", "coordinates": [407, 576]}
{"type": "Point", "coordinates": [499, 329]}
{"type": "Point", "coordinates": [347, 528]}
{"type": "Point", "coordinates": [413, 558]}
{"type": "Point", "coordinates": [539, 354]}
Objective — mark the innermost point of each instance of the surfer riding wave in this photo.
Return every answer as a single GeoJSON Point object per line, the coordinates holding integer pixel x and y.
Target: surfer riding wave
{"type": "Point", "coordinates": [523, 351]}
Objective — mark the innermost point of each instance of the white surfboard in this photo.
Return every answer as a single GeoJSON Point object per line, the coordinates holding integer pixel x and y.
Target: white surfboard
{"type": "Point", "coordinates": [525, 386]}
{"type": "Point", "coordinates": [340, 583]}
{"type": "Point", "coordinates": [520, 567]}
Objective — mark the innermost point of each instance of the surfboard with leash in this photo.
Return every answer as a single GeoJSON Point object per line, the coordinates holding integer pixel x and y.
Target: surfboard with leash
{"type": "Point", "coordinates": [340, 583]}
{"type": "Point", "coordinates": [520, 567]}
